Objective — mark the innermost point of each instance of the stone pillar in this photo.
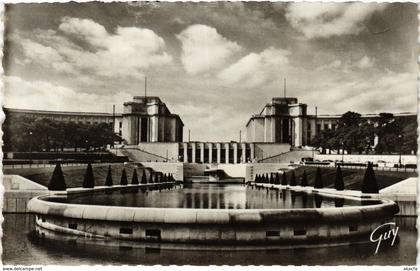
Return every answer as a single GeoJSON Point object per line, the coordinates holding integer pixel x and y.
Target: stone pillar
{"type": "Point", "coordinates": [243, 147]}
{"type": "Point", "coordinates": [252, 153]}
{"type": "Point", "coordinates": [235, 153]}
{"type": "Point", "coordinates": [193, 152]}
{"type": "Point", "coordinates": [210, 152]}
{"type": "Point", "coordinates": [202, 152]}
{"type": "Point", "coordinates": [155, 129]}
{"type": "Point", "coordinates": [185, 152]}
{"type": "Point", "coordinates": [218, 152]}
{"type": "Point", "coordinates": [273, 130]}
{"type": "Point", "coordinates": [226, 153]}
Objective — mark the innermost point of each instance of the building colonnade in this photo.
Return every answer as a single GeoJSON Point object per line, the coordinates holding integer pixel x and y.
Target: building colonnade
{"type": "Point", "coordinates": [216, 152]}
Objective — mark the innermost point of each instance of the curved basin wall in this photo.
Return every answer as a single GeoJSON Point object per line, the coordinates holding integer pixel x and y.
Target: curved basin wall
{"type": "Point", "coordinates": [212, 225]}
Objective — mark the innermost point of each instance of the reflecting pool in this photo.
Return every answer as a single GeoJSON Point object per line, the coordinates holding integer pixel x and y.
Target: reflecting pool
{"type": "Point", "coordinates": [214, 196]}
{"type": "Point", "coordinates": [20, 246]}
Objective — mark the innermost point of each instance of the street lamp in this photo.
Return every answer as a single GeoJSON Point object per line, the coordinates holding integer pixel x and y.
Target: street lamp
{"type": "Point", "coordinates": [400, 136]}
{"type": "Point", "coordinates": [30, 147]}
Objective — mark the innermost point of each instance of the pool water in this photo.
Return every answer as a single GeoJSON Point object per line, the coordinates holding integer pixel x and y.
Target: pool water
{"type": "Point", "coordinates": [213, 196]}
{"type": "Point", "coordinates": [20, 247]}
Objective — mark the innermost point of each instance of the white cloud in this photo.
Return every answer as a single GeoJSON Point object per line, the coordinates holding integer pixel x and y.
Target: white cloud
{"type": "Point", "coordinates": [255, 69]}
{"type": "Point", "coordinates": [47, 56]}
{"type": "Point", "coordinates": [42, 95]}
{"type": "Point", "coordinates": [335, 64]}
{"type": "Point", "coordinates": [203, 49]}
{"type": "Point", "coordinates": [323, 20]}
{"type": "Point", "coordinates": [128, 52]}
{"type": "Point", "coordinates": [365, 62]}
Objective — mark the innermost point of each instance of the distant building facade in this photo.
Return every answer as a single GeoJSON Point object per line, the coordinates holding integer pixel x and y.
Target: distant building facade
{"type": "Point", "coordinates": [286, 121]}
{"type": "Point", "coordinates": [145, 119]}
{"type": "Point", "coordinates": [113, 120]}
{"type": "Point", "coordinates": [147, 124]}
{"type": "Point", "coordinates": [148, 119]}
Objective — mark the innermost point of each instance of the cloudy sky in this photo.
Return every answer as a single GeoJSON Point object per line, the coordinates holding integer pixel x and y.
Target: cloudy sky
{"type": "Point", "coordinates": [214, 64]}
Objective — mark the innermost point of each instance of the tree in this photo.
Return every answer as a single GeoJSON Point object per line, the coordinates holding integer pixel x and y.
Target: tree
{"type": "Point", "coordinates": [143, 177]}
{"type": "Point", "coordinates": [57, 182]}
{"type": "Point", "coordinates": [89, 179]}
{"type": "Point", "coordinates": [277, 181]}
{"type": "Point", "coordinates": [284, 179]}
{"type": "Point", "coordinates": [304, 181]}
{"type": "Point", "coordinates": [108, 181]}
{"type": "Point", "coordinates": [318, 179]}
{"type": "Point", "coordinates": [135, 179]}
{"type": "Point", "coordinates": [369, 184]}
{"type": "Point", "coordinates": [123, 180]}
{"type": "Point", "coordinates": [293, 179]}
{"type": "Point", "coordinates": [339, 183]}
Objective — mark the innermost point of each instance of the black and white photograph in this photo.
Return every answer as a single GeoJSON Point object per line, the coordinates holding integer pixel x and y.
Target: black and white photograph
{"type": "Point", "coordinates": [209, 134]}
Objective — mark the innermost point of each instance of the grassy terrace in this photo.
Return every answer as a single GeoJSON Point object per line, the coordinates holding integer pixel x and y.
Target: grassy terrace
{"type": "Point", "coordinates": [352, 177]}
{"type": "Point", "coordinates": [74, 174]}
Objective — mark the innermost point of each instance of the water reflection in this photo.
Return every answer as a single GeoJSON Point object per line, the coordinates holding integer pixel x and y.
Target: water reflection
{"type": "Point", "coordinates": [212, 196]}
{"type": "Point", "coordinates": [20, 247]}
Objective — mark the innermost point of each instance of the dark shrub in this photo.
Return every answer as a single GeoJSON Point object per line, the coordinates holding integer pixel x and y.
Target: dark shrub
{"type": "Point", "coordinates": [339, 183]}
{"type": "Point", "coordinates": [284, 179]}
{"type": "Point", "coordinates": [318, 179]}
{"type": "Point", "coordinates": [108, 180]}
{"type": "Point", "coordinates": [57, 182]}
{"type": "Point", "coordinates": [89, 179]}
{"type": "Point", "coordinates": [293, 179]}
{"type": "Point", "coordinates": [304, 179]}
{"type": "Point", "coordinates": [124, 180]}
{"type": "Point", "coordinates": [143, 177]}
{"type": "Point", "coordinates": [277, 180]}
{"type": "Point", "coordinates": [135, 179]}
{"type": "Point", "coordinates": [369, 181]}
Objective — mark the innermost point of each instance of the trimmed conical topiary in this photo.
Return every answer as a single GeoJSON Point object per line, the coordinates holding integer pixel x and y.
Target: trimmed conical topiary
{"type": "Point", "coordinates": [304, 181]}
{"type": "Point", "coordinates": [57, 182]}
{"type": "Point", "coordinates": [89, 179]}
{"type": "Point", "coordinates": [369, 181]}
{"type": "Point", "coordinates": [108, 180]}
{"type": "Point", "coordinates": [135, 179]}
{"type": "Point", "coordinates": [143, 177]}
{"type": "Point", "coordinates": [284, 179]}
{"type": "Point", "coordinates": [277, 180]}
{"type": "Point", "coordinates": [123, 180]}
{"type": "Point", "coordinates": [293, 179]}
{"type": "Point", "coordinates": [339, 183]}
{"type": "Point", "coordinates": [318, 179]}
{"type": "Point", "coordinates": [267, 178]}
{"type": "Point", "coordinates": [256, 178]}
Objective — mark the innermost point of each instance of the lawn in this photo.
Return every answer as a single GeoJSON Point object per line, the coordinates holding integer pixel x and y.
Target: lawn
{"type": "Point", "coordinates": [74, 174]}
{"type": "Point", "coordinates": [353, 178]}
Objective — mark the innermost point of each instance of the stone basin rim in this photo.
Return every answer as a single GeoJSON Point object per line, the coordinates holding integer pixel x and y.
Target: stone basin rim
{"type": "Point", "coordinates": [40, 206]}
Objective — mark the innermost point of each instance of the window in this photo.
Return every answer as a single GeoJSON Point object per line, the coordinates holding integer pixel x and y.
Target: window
{"type": "Point", "coordinates": [152, 233]}
{"type": "Point", "coordinates": [298, 232]}
{"type": "Point", "coordinates": [272, 233]}
{"type": "Point", "coordinates": [353, 228]}
{"type": "Point", "coordinates": [120, 124]}
{"type": "Point", "coordinates": [126, 230]}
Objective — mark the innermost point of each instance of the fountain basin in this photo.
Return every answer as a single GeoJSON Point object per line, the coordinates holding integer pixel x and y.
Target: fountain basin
{"type": "Point", "coordinates": [213, 226]}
